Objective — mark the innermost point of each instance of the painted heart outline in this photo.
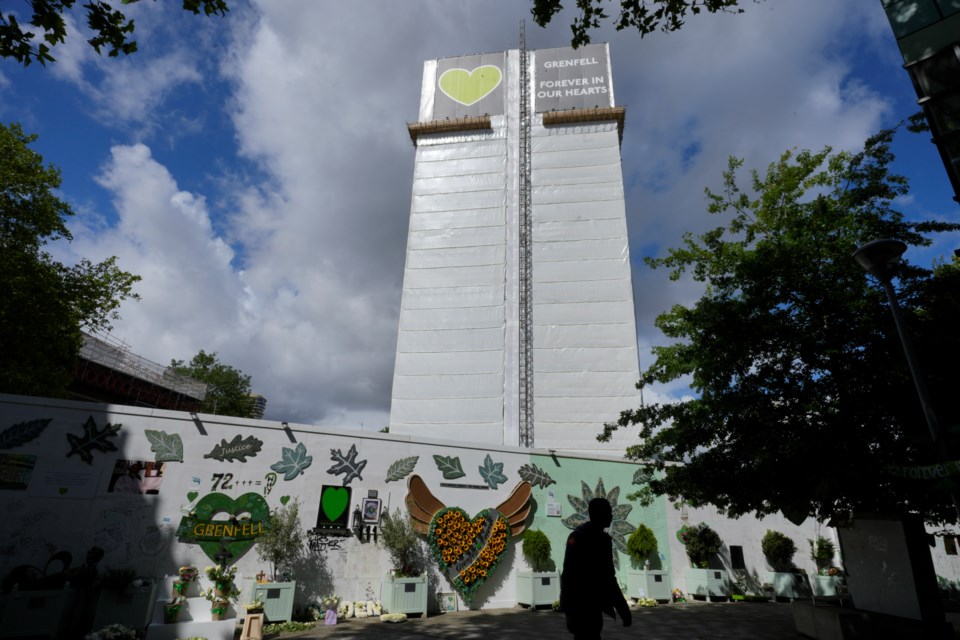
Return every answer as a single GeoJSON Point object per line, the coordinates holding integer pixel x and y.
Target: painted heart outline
{"type": "Point", "coordinates": [214, 503]}
{"type": "Point", "coordinates": [468, 550]}
{"type": "Point", "coordinates": [469, 87]}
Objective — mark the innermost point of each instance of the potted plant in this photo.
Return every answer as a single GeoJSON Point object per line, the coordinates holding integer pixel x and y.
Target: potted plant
{"type": "Point", "coordinates": [222, 579]}
{"type": "Point", "coordinates": [542, 585]}
{"type": "Point", "coordinates": [254, 607]}
{"type": "Point", "coordinates": [788, 581]}
{"type": "Point", "coordinates": [282, 545]}
{"type": "Point", "coordinates": [171, 610]}
{"type": "Point", "coordinates": [643, 581]}
{"type": "Point", "coordinates": [702, 545]}
{"type": "Point", "coordinates": [822, 551]}
{"type": "Point", "coordinates": [405, 588]}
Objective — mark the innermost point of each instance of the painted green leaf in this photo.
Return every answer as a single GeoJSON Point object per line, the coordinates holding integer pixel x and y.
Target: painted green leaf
{"type": "Point", "coordinates": [536, 476]}
{"type": "Point", "coordinates": [449, 466]}
{"type": "Point", "coordinates": [237, 450]}
{"type": "Point", "coordinates": [22, 432]}
{"type": "Point", "coordinates": [401, 468]}
{"type": "Point", "coordinates": [167, 446]}
{"type": "Point", "coordinates": [492, 472]}
{"type": "Point", "coordinates": [294, 462]}
{"type": "Point", "coordinates": [92, 439]}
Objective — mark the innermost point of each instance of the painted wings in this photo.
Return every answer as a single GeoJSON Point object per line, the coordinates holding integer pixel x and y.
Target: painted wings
{"type": "Point", "coordinates": [423, 505]}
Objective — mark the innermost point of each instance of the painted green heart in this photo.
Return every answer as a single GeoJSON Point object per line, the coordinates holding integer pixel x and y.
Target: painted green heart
{"type": "Point", "coordinates": [192, 495]}
{"type": "Point", "coordinates": [468, 551]}
{"type": "Point", "coordinates": [470, 87]}
{"type": "Point", "coordinates": [334, 502]}
{"type": "Point", "coordinates": [214, 503]}
{"type": "Point", "coordinates": [284, 500]}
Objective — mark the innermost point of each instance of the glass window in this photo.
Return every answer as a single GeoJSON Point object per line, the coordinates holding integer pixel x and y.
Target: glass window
{"type": "Point", "coordinates": [950, 545]}
{"type": "Point", "coordinates": [938, 73]}
{"type": "Point", "coordinates": [911, 15]}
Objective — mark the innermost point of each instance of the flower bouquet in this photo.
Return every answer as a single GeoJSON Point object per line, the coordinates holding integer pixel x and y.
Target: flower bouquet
{"type": "Point", "coordinates": [254, 607]}
{"type": "Point", "coordinates": [171, 610]}
{"type": "Point", "coordinates": [222, 578]}
{"type": "Point", "coordinates": [113, 632]}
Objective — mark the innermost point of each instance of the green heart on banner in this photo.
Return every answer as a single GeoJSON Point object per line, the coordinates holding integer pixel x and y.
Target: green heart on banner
{"type": "Point", "coordinates": [192, 495]}
{"type": "Point", "coordinates": [215, 503]}
{"type": "Point", "coordinates": [284, 500]}
{"type": "Point", "coordinates": [334, 502]}
{"type": "Point", "coordinates": [470, 87]}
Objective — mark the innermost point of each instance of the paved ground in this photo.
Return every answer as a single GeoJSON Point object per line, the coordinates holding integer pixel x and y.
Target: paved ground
{"type": "Point", "coordinates": [689, 621]}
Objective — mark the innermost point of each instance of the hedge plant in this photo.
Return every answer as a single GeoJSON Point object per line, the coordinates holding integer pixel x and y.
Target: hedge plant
{"type": "Point", "coordinates": [778, 549]}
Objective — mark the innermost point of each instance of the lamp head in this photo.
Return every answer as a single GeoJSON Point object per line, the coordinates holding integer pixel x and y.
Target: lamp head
{"type": "Point", "coordinates": [879, 258]}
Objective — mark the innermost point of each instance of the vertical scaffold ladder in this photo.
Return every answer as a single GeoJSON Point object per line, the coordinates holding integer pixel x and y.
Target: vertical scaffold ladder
{"type": "Point", "coordinates": [526, 253]}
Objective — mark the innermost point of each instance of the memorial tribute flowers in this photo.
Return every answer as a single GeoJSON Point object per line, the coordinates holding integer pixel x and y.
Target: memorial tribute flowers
{"type": "Point", "coordinates": [471, 548]}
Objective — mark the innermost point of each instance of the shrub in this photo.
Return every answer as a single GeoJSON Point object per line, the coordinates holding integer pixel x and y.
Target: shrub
{"type": "Point", "coordinates": [822, 551]}
{"type": "Point", "coordinates": [702, 545]}
{"type": "Point", "coordinates": [282, 543]}
{"type": "Point", "coordinates": [536, 549]}
{"type": "Point", "coordinates": [402, 544]}
{"type": "Point", "coordinates": [778, 549]}
{"type": "Point", "coordinates": [641, 544]}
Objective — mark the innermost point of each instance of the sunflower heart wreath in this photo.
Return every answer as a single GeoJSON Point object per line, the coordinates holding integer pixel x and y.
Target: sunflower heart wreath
{"type": "Point", "coordinates": [468, 550]}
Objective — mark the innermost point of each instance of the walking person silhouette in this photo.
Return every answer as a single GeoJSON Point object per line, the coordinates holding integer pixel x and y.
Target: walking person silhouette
{"type": "Point", "coordinates": [588, 585]}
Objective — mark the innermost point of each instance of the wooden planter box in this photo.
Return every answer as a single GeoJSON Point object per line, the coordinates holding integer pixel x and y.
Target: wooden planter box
{"type": "Point", "coordinates": [790, 586]}
{"type": "Point", "coordinates": [132, 607]}
{"type": "Point", "coordinates": [709, 583]}
{"type": "Point", "coordinates": [538, 588]}
{"type": "Point", "coordinates": [405, 595]}
{"type": "Point", "coordinates": [654, 584]}
{"type": "Point", "coordinates": [277, 599]}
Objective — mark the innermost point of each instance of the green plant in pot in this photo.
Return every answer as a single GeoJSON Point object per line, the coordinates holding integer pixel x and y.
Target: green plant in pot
{"type": "Point", "coordinates": [702, 544]}
{"type": "Point", "coordinates": [778, 549]}
{"type": "Point", "coordinates": [282, 544]}
{"type": "Point", "coordinates": [171, 610]}
{"type": "Point", "coordinates": [117, 580]}
{"type": "Point", "coordinates": [641, 546]}
{"type": "Point", "coordinates": [403, 545]}
{"type": "Point", "coordinates": [536, 550]}
{"type": "Point", "coordinates": [822, 551]}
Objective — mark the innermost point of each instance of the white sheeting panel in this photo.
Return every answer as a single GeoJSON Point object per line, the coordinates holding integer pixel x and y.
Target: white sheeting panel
{"type": "Point", "coordinates": [579, 436]}
{"type": "Point", "coordinates": [583, 313]}
{"type": "Point", "coordinates": [450, 341]}
{"type": "Point", "coordinates": [427, 319]}
{"type": "Point", "coordinates": [580, 250]}
{"type": "Point", "coordinates": [489, 433]}
{"type": "Point", "coordinates": [577, 174]}
{"type": "Point", "coordinates": [586, 291]}
{"type": "Point", "coordinates": [547, 140]}
{"type": "Point", "coordinates": [578, 193]}
{"type": "Point", "coordinates": [591, 335]}
{"type": "Point", "coordinates": [612, 269]}
{"type": "Point", "coordinates": [453, 277]}
{"type": "Point", "coordinates": [447, 410]}
{"type": "Point", "coordinates": [459, 184]}
{"type": "Point", "coordinates": [607, 154]}
{"type": "Point", "coordinates": [491, 217]}
{"type": "Point", "coordinates": [578, 210]}
{"type": "Point", "coordinates": [457, 201]}
{"type": "Point", "coordinates": [463, 166]}
{"type": "Point", "coordinates": [426, 387]}
{"type": "Point", "coordinates": [453, 297]}
{"type": "Point", "coordinates": [492, 148]}
{"type": "Point", "coordinates": [577, 359]}
{"type": "Point", "coordinates": [579, 229]}
{"type": "Point", "coordinates": [582, 410]}
{"type": "Point", "coordinates": [572, 384]}
{"type": "Point", "coordinates": [421, 364]}
{"type": "Point", "coordinates": [466, 257]}
{"type": "Point", "coordinates": [453, 238]}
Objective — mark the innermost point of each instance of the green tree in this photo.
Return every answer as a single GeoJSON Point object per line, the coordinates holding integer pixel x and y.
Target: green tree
{"type": "Point", "coordinates": [228, 389]}
{"type": "Point", "coordinates": [111, 28]}
{"type": "Point", "coordinates": [646, 16]}
{"type": "Point", "coordinates": [44, 304]}
{"type": "Point", "coordinates": [282, 543]}
{"type": "Point", "coordinates": [803, 398]}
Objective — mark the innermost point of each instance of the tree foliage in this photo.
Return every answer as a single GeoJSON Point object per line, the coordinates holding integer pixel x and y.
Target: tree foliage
{"type": "Point", "coordinates": [778, 549]}
{"type": "Point", "coordinates": [228, 389]}
{"type": "Point", "coordinates": [646, 16]}
{"type": "Point", "coordinates": [282, 543]}
{"type": "Point", "coordinates": [112, 30]}
{"type": "Point", "coordinates": [44, 304]}
{"type": "Point", "coordinates": [803, 398]}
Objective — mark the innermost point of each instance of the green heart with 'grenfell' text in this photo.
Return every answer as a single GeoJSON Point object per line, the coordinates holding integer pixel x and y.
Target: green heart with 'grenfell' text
{"type": "Point", "coordinates": [334, 502]}
{"type": "Point", "coordinates": [470, 87]}
{"type": "Point", "coordinates": [214, 503]}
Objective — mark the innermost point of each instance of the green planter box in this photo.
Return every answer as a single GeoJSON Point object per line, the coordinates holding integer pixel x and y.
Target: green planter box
{"type": "Point", "coordinates": [405, 595]}
{"type": "Point", "coordinates": [653, 583]}
{"type": "Point", "coordinates": [826, 585]}
{"type": "Point", "coordinates": [791, 586]}
{"type": "Point", "coordinates": [709, 583]}
{"type": "Point", "coordinates": [131, 607]}
{"type": "Point", "coordinates": [277, 599]}
{"type": "Point", "coordinates": [535, 589]}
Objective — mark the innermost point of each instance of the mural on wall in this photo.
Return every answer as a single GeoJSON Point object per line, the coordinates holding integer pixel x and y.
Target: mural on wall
{"type": "Point", "coordinates": [238, 449]}
{"type": "Point", "coordinates": [22, 432]}
{"type": "Point", "coordinates": [15, 470]}
{"type": "Point", "coordinates": [467, 550]}
{"type": "Point", "coordinates": [492, 472]}
{"type": "Point", "coordinates": [619, 528]}
{"type": "Point", "coordinates": [401, 468]}
{"type": "Point", "coordinates": [449, 466]}
{"type": "Point", "coordinates": [136, 476]}
{"type": "Point", "coordinates": [92, 439]}
{"type": "Point", "coordinates": [248, 517]}
{"type": "Point", "coordinates": [293, 462]}
{"type": "Point", "coordinates": [536, 476]}
{"type": "Point", "coordinates": [333, 515]}
{"type": "Point", "coordinates": [168, 447]}
{"type": "Point", "coordinates": [346, 464]}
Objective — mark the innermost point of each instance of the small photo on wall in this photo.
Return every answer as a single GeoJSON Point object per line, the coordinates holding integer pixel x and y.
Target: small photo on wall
{"type": "Point", "coordinates": [15, 470]}
{"type": "Point", "coordinates": [371, 510]}
{"type": "Point", "coordinates": [446, 601]}
{"type": "Point", "coordinates": [137, 476]}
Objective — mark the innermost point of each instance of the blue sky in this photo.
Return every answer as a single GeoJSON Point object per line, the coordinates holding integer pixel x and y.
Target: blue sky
{"type": "Point", "coordinates": [256, 169]}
